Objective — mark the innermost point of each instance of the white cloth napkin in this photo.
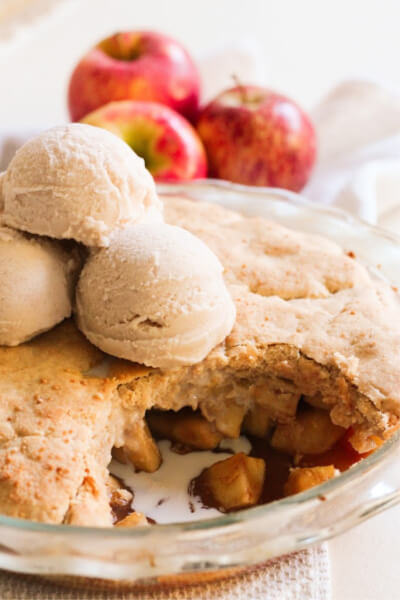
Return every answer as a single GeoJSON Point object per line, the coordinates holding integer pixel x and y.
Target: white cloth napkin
{"type": "Point", "coordinates": [358, 169]}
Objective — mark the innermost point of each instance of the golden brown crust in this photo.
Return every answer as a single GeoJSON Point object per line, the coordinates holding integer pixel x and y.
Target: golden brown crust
{"type": "Point", "coordinates": [53, 417]}
{"type": "Point", "coordinates": [265, 257]}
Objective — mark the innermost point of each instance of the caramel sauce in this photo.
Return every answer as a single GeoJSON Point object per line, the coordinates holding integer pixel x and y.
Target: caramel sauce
{"type": "Point", "coordinates": [121, 510]}
{"type": "Point", "coordinates": [199, 489]}
{"type": "Point", "coordinates": [277, 470]}
{"type": "Point", "coordinates": [342, 456]}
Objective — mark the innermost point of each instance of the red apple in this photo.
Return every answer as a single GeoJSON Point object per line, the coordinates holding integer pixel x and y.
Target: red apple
{"type": "Point", "coordinates": [171, 148]}
{"type": "Point", "coordinates": [258, 137]}
{"type": "Point", "coordinates": [135, 65]}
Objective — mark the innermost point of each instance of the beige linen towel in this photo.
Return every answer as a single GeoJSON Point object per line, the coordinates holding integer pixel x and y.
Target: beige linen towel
{"type": "Point", "coordinates": [300, 576]}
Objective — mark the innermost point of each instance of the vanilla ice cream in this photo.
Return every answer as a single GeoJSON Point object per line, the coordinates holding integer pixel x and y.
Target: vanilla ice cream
{"type": "Point", "coordinates": [78, 181]}
{"type": "Point", "coordinates": [156, 296]}
{"type": "Point", "coordinates": [36, 285]}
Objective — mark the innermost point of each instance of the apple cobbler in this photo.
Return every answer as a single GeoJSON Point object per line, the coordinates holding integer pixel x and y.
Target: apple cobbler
{"type": "Point", "coordinates": [309, 375]}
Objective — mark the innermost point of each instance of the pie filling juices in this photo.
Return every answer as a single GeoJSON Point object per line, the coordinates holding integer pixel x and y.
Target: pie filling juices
{"type": "Point", "coordinates": [193, 484]}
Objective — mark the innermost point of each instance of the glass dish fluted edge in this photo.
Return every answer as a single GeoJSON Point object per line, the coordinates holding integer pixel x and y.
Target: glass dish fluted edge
{"type": "Point", "coordinates": [252, 535]}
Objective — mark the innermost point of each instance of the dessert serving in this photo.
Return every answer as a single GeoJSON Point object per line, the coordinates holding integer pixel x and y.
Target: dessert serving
{"type": "Point", "coordinates": [266, 360]}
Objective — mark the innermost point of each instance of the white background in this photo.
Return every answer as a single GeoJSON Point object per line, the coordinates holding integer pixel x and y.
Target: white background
{"type": "Point", "coordinates": [306, 47]}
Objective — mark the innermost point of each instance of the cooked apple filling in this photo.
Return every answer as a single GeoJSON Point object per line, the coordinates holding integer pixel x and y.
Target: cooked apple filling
{"type": "Point", "coordinates": [287, 444]}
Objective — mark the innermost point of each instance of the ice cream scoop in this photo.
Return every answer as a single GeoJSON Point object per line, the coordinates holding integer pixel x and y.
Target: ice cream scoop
{"type": "Point", "coordinates": [78, 181]}
{"type": "Point", "coordinates": [156, 296]}
{"type": "Point", "coordinates": [36, 285]}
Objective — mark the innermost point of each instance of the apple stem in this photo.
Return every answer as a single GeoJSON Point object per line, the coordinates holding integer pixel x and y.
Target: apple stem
{"type": "Point", "coordinates": [241, 87]}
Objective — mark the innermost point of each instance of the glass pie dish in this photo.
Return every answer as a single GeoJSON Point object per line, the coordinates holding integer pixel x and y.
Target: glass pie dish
{"type": "Point", "coordinates": [170, 553]}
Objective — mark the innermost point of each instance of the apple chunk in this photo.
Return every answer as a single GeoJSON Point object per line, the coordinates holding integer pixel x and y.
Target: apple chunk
{"type": "Point", "coordinates": [228, 418]}
{"type": "Point", "coordinates": [317, 401]}
{"type": "Point", "coordinates": [312, 432]}
{"type": "Point", "coordinates": [257, 421]}
{"type": "Point", "coordinates": [134, 519]}
{"type": "Point", "coordinates": [140, 449]}
{"type": "Point", "coordinates": [302, 479]}
{"type": "Point", "coordinates": [280, 403]}
{"type": "Point", "coordinates": [235, 482]}
{"type": "Point", "coordinates": [188, 428]}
